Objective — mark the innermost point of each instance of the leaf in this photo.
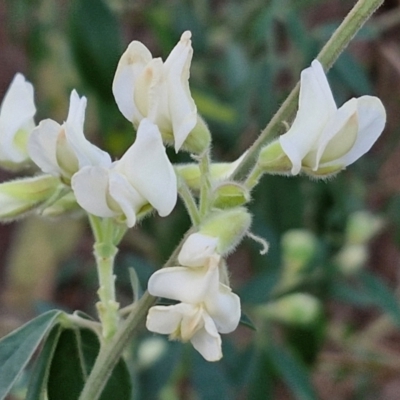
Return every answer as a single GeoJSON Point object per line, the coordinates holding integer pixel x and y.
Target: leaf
{"type": "Point", "coordinates": [72, 362]}
{"type": "Point", "coordinates": [17, 348]}
{"type": "Point", "coordinates": [40, 373]}
{"type": "Point", "coordinates": [246, 321]}
{"type": "Point", "coordinates": [209, 379]}
{"type": "Point", "coordinates": [135, 283]}
{"type": "Point", "coordinates": [381, 295]}
{"type": "Point", "coordinates": [292, 372]}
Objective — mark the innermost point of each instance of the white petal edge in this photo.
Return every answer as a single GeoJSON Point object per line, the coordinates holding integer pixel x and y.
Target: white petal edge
{"type": "Point", "coordinates": [197, 249]}
{"type": "Point", "coordinates": [42, 145]}
{"type": "Point", "coordinates": [16, 111]}
{"type": "Point", "coordinates": [130, 65]}
{"type": "Point", "coordinates": [90, 186]}
{"type": "Point", "coordinates": [149, 170]}
{"type": "Point", "coordinates": [371, 122]}
{"type": "Point", "coordinates": [316, 106]}
{"type": "Point", "coordinates": [165, 319]}
{"type": "Point", "coordinates": [188, 285]}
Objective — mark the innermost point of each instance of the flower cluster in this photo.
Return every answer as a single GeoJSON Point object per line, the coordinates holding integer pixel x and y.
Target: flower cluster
{"type": "Point", "coordinates": [206, 306]}
{"type": "Point", "coordinates": [153, 95]}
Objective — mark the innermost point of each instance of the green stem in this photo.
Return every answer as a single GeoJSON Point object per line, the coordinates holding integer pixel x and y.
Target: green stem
{"type": "Point", "coordinates": [205, 183]}
{"type": "Point", "coordinates": [107, 306]}
{"type": "Point", "coordinates": [111, 351]}
{"type": "Point", "coordinates": [357, 17]}
{"type": "Point", "coordinates": [190, 203]}
{"type": "Point", "coordinates": [253, 177]}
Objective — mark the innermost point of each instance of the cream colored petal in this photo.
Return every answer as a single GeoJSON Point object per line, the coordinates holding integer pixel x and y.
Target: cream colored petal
{"type": "Point", "coordinates": [130, 66]}
{"type": "Point", "coordinates": [42, 146]}
{"type": "Point", "coordinates": [338, 137]}
{"type": "Point", "coordinates": [149, 92]}
{"type": "Point", "coordinates": [316, 106]}
{"type": "Point", "coordinates": [76, 112]}
{"type": "Point", "coordinates": [90, 186]}
{"type": "Point", "coordinates": [224, 308]}
{"type": "Point", "coordinates": [197, 249]}
{"type": "Point", "coordinates": [16, 113]}
{"type": "Point", "coordinates": [207, 341]}
{"type": "Point", "coordinates": [165, 319]}
{"type": "Point", "coordinates": [86, 153]}
{"type": "Point", "coordinates": [126, 196]}
{"type": "Point", "coordinates": [188, 285]}
{"type": "Point", "coordinates": [371, 121]}
{"type": "Point", "coordinates": [148, 169]}
{"type": "Point", "coordinates": [183, 111]}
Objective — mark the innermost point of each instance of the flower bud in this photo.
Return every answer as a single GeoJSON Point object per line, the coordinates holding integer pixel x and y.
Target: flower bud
{"type": "Point", "coordinates": [65, 204]}
{"type": "Point", "coordinates": [352, 258]}
{"type": "Point", "coordinates": [362, 226]}
{"type": "Point", "coordinates": [273, 160]}
{"type": "Point", "coordinates": [293, 309]}
{"type": "Point", "coordinates": [23, 195]}
{"type": "Point", "coordinates": [199, 138]}
{"type": "Point", "coordinates": [229, 226]}
{"type": "Point", "coordinates": [230, 194]}
{"type": "Point", "coordinates": [190, 173]}
{"type": "Point", "coordinates": [298, 249]}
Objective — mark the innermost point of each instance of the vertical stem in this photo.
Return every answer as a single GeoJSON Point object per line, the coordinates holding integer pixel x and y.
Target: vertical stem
{"type": "Point", "coordinates": [357, 17]}
{"type": "Point", "coordinates": [205, 184]}
{"type": "Point", "coordinates": [107, 306]}
{"type": "Point", "coordinates": [190, 204]}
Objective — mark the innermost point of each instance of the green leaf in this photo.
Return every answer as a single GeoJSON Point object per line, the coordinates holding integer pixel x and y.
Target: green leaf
{"type": "Point", "coordinates": [246, 321]}
{"type": "Point", "coordinates": [292, 372]}
{"type": "Point", "coordinates": [72, 362]}
{"type": "Point", "coordinates": [40, 373]}
{"type": "Point", "coordinates": [135, 283]}
{"type": "Point", "coordinates": [209, 379]}
{"type": "Point", "coordinates": [95, 43]}
{"type": "Point", "coordinates": [381, 295]}
{"type": "Point", "coordinates": [17, 348]}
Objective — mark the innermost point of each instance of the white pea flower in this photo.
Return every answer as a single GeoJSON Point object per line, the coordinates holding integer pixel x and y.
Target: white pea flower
{"type": "Point", "coordinates": [145, 87]}
{"type": "Point", "coordinates": [143, 175]}
{"type": "Point", "coordinates": [323, 138]}
{"type": "Point", "coordinates": [207, 307]}
{"type": "Point", "coordinates": [16, 122]}
{"type": "Point", "coordinates": [61, 150]}
{"type": "Point", "coordinates": [197, 249]}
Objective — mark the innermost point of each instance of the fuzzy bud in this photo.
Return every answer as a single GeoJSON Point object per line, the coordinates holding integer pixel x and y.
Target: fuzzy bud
{"type": "Point", "coordinates": [229, 226]}
{"type": "Point", "coordinates": [230, 194]}
{"type": "Point", "coordinates": [19, 197]}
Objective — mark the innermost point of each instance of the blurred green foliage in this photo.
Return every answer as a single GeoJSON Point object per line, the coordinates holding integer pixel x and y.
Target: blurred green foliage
{"type": "Point", "coordinates": [247, 57]}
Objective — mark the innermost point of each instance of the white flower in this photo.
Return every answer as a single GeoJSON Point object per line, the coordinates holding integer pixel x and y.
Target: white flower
{"type": "Point", "coordinates": [207, 307]}
{"type": "Point", "coordinates": [324, 137]}
{"type": "Point", "coordinates": [143, 175]}
{"type": "Point", "coordinates": [197, 249]}
{"type": "Point", "coordinates": [16, 121]}
{"type": "Point", "coordinates": [145, 87]}
{"type": "Point", "coordinates": [61, 150]}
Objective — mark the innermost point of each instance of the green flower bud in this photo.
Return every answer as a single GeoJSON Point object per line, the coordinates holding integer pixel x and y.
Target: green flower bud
{"type": "Point", "coordinates": [294, 309]}
{"type": "Point", "coordinates": [21, 196]}
{"type": "Point", "coordinates": [298, 249]}
{"type": "Point", "coordinates": [230, 194]}
{"type": "Point", "coordinates": [273, 160]}
{"type": "Point", "coordinates": [190, 173]}
{"type": "Point", "coordinates": [229, 226]}
{"type": "Point", "coordinates": [352, 258]}
{"type": "Point", "coordinates": [362, 226]}
{"type": "Point", "coordinates": [199, 139]}
{"type": "Point", "coordinates": [65, 204]}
